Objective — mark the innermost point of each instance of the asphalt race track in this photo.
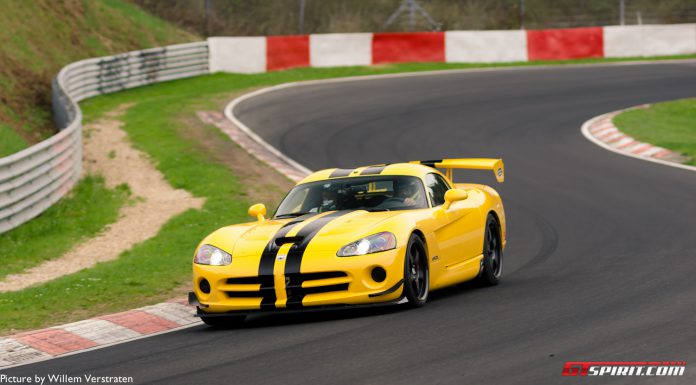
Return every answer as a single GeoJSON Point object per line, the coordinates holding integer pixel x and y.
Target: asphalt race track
{"type": "Point", "coordinates": [600, 264]}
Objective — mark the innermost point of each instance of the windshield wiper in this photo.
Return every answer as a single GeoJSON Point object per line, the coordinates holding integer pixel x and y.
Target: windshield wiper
{"type": "Point", "coordinates": [375, 210]}
{"type": "Point", "coordinates": [291, 215]}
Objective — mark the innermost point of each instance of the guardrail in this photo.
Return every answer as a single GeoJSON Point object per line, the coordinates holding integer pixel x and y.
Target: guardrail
{"type": "Point", "coordinates": [35, 178]}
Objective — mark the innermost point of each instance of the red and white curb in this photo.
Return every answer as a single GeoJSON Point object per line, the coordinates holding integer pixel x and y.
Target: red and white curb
{"type": "Point", "coordinates": [39, 345]}
{"type": "Point", "coordinates": [255, 146]}
{"type": "Point", "coordinates": [602, 131]}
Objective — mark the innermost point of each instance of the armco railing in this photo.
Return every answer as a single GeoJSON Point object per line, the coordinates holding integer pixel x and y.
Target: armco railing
{"type": "Point", "coordinates": [30, 181]}
{"type": "Point", "coordinates": [35, 178]}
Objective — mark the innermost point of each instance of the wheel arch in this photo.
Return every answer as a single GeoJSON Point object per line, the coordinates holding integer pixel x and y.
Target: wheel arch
{"type": "Point", "coordinates": [420, 235]}
{"type": "Point", "coordinates": [495, 215]}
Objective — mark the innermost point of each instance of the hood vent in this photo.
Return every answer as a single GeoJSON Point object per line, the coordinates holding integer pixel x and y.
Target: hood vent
{"type": "Point", "coordinates": [283, 240]}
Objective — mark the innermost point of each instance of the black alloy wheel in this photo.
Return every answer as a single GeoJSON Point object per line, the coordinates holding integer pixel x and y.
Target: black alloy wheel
{"type": "Point", "coordinates": [492, 254]}
{"type": "Point", "coordinates": [416, 272]}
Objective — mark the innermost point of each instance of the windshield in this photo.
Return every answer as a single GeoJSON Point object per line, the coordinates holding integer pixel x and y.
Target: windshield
{"type": "Point", "coordinates": [373, 193]}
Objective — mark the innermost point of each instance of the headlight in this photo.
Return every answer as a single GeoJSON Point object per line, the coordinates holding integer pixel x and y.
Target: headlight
{"type": "Point", "coordinates": [211, 255]}
{"type": "Point", "coordinates": [372, 244]}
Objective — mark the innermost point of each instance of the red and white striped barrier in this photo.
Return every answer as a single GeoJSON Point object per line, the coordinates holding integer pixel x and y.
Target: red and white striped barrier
{"type": "Point", "coordinates": [237, 54]}
{"type": "Point", "coordinates": [340, 49]}
{"type": "Point", "coordinates": [261, 54]}
{"type": "Point", "coordinates": [570, 43]}
{"type": "Point", "coordinates": [485, 46]}
{"type": "Point", "coordinates": [650, 40]}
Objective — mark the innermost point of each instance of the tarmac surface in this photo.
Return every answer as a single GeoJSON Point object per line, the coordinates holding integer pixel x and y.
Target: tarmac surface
{"type": "Point", "coordinates": [600, 262]}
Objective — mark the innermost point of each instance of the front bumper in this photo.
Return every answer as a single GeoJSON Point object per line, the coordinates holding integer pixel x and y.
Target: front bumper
{"type": "Point", "coordinates": [324, 282]}
{"type": "Point", "coordinates": [201, 309]}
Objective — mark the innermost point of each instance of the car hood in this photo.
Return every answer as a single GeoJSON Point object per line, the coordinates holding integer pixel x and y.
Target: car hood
{"type": "Point", "coordinates": [331, 230]}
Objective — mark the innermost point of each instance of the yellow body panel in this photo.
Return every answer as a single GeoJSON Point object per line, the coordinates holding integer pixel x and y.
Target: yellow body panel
{"type": "Point", "coordinates": [453, 239]}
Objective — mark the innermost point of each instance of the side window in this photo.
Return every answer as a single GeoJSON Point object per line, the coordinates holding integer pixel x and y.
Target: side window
{"type": "Point", "coordinates": [437, 187]}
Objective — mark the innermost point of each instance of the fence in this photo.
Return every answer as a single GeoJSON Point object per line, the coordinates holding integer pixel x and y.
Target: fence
{"type": "Point", "coordinates": [260, 54]}
{"type": "Point", "coordinates": [35, 178]}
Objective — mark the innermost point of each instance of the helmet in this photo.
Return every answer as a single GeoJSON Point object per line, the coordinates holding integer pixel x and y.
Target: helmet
{"type": "Point", "coordinates": [405, 186]}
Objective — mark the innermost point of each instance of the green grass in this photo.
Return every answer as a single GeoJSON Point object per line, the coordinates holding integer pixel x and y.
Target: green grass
{"type": "Point", "coordinates": [89, 208]}
{"type": "Point", "coordinates": [38, 34]}
{"type": "Point", "coordinates": [671, 125]}
{"type": "Point", "coordinates": [10, 141]}
{"type": "Point", "coordinates": [40, 37]}
{"type": "Point", "coordinates": [151, 270]}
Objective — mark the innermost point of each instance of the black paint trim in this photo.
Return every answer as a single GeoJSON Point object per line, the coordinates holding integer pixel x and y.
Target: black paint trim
{"type": "Point", "coordinates": [306, 309]}
{"type": "Point", "coordinates": [340, 172]}
{"type": "Point", "coordinates": [243, 280]}
{"type": "Point", "coordinates": [267, 263]}
{"type": "Point", "coordinates": [430, 163]}
{"type": "Point", "coordinates": [293, 276]}
{"type": "Point", "coordinates": [374, 170]}
{"type": "Point", "coordinates": [388, 291]}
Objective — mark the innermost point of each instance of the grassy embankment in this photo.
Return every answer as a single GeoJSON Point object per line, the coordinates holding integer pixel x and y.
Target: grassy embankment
{"type": "Point", "coordinates": [38, 38]}
{"type": "Point", "coordinates": [671, 125]}
{"type": "Point", "coordinates": [159, 123]}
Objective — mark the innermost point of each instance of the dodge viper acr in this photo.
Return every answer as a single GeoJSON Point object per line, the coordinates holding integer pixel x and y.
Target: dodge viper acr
{"type": "Point", "coordinates": [348, 237]}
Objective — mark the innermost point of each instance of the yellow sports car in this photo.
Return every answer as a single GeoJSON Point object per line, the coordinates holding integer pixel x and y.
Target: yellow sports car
{"type": "Point", "coordinates": [345, 237]}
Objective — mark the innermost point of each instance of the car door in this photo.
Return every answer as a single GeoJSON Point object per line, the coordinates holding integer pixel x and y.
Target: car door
{"type": "Point", "coordinates": [455, 228]}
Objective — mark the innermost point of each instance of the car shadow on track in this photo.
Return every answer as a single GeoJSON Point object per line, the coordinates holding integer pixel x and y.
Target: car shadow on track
{"type": "Point", "coordinates": [255, 321]}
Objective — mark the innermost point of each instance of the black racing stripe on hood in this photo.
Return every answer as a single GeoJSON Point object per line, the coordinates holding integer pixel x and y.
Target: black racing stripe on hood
{"type": "Point", "coordinates": [267, 262]}
{"type": "Point", "coordinates": [340, 172]}
{"type": "Point", "coordinates": [374, 170]}
{"type": "Point", "coordinates": [294, 260]}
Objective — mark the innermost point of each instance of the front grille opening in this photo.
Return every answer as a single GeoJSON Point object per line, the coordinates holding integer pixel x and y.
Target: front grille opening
{"type": "Point", "coordinates": [244, 281]}
{"type": "Point", "coordinates": [283, 240]}
{"type": "Point", "coordinates": [323, 275]}
{"type": "Point", "coordinates": [297, 288]}
{"type": "Point", "coordinates": [326, 289]}
{"type": "Point", "coordinates": [293, 287]}
{"type": "Point", "coordinates": [248, 294]}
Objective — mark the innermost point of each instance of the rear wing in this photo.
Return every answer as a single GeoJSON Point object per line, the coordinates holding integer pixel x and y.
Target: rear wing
{"type": "Point", "coordinates": [495, 165]}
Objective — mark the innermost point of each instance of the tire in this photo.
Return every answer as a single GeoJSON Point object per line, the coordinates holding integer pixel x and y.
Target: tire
{"type": "Point", "coordinates": [492, 262]}
{"type": "Point", "coordinates": [224, 322]}
{"type": "Point", "coordinates": [416, 272]}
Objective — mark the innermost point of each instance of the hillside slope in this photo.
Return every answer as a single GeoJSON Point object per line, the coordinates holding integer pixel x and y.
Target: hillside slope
{"type": "Point", "coordinates": [39, 37]}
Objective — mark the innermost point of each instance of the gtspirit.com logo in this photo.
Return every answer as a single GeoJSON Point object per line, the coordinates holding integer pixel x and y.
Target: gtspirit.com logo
{"type": "Point", "coordinates": [622, 368]}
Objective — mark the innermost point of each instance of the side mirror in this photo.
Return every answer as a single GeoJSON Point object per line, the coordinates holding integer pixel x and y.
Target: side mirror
{"type": "Point", "coordinates": [258, 211]}
{"type": "Point", "coordinates": [454, 195]}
